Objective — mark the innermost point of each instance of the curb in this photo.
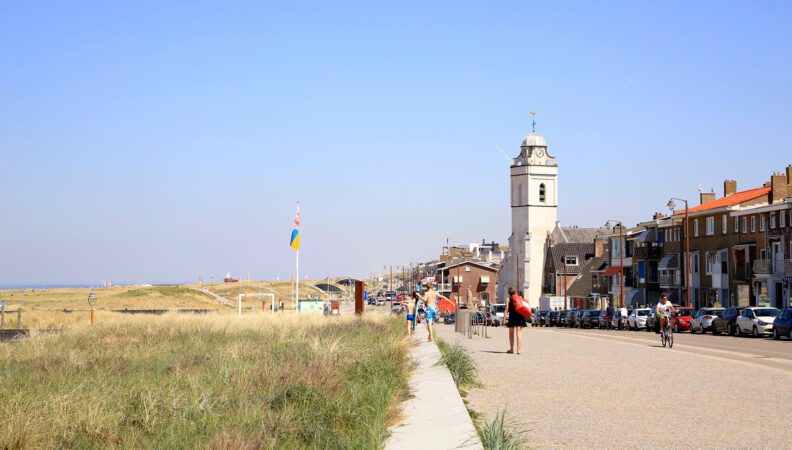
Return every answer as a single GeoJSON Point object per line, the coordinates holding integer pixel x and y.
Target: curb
{"type": "Point", "coordinates": [436, 417]}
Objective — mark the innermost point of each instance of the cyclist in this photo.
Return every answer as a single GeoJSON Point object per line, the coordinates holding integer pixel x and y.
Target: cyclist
{"type": "Point", "coordinates": [664, 309]}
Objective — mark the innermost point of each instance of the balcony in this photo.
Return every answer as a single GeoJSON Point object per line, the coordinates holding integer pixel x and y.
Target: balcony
{"type": "Point", "coordinates": [788, 267]}
{"type": "Point", "coordinates": [763, 267]}
{"type": "Point", "coordinates": [669, 280]}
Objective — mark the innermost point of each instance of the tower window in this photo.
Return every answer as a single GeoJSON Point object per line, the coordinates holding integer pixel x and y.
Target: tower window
{"type": "Point", "coordinates": [542, 193]}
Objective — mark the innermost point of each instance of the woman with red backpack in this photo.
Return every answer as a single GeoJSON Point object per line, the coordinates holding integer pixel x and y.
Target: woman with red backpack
{"type": "Point", "coordinates": [514, 319]}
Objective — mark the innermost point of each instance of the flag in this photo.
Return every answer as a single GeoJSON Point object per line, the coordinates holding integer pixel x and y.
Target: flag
{"type": "Point", "coordinates": [295, 236]}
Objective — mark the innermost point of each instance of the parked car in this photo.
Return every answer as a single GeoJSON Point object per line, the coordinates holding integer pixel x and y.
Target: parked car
{"type": "Point", "coordinates": [782, 326]}
{"type": "Point", "coordinates": [652, 324]}
{"type": "Point", "coordinates": [727, 323]}
{"type": "Point", "coordinates": [637, 319]}
{"type": "Point", "coordinates": [554, 317]}
{"type": "Point", "coordinates": [595, 319]}
{"type": "Point", "coordinates": [702, 320]}
{"type": "Point", "coordinates": [682, 319]}
{"type": "Point", "coordinates": [756, 321]}
{"type": "Point", "coordinates": [578, 318]}
{"type": "Point", "coordinates": [569, 318]}
{"type": "Point", "coordinates": [544, 318]}
{"type": "Point", "coordinates": [497, 310]}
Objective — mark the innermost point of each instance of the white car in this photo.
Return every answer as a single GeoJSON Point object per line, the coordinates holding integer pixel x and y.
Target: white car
{"type": "Point", "coordinates": [756, 321]}
{"type": "Point", "coordinates": [702, 321]}
{"type": "Point", "coordinates": [637, 319]}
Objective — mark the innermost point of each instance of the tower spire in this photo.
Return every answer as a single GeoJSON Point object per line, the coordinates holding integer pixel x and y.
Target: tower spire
{"type": "Point", "coordinates": [533, 121]}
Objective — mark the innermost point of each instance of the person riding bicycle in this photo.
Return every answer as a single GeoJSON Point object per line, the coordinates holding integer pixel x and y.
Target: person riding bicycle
{"type": "Point", "coordinates": [609, 313]}
{"type": "Point", "coordinates": [664, 309]}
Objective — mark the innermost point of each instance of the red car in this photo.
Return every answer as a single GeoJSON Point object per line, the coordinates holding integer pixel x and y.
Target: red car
{"type": "Point", "coordinates": [682, 318]}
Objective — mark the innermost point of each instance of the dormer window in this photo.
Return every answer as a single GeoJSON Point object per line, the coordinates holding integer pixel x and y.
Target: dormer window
{"type": "Point", "coordinates": [542, 193]}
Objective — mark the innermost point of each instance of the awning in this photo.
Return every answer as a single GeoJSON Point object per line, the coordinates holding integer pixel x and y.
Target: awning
{"type": "Point", "coordinates": [635, 297]}
{"type": "Point", "coordinates": [669, 262]}
{"type": "Point", "coordinates": [649, 235]}
{"type": "Point", "coordinates": [484, 279]}
{"type": "Point", "coordinates": [611, 271]}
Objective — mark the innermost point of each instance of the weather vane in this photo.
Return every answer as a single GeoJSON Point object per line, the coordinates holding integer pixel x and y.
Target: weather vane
{"type": "Point", "coordinates": [533, 121]}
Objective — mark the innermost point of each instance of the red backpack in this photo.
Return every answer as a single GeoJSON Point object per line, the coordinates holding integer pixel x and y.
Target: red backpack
{"type": "Point", "coordinates": [522, 306]}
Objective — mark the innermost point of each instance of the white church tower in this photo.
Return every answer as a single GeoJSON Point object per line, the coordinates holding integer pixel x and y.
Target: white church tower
{"type": "Point", "coordinates": [534, 206]}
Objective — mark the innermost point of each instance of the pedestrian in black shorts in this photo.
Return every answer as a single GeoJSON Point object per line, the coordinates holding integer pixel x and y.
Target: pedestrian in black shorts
{"type": "Point", "coordinates": [515, 321]}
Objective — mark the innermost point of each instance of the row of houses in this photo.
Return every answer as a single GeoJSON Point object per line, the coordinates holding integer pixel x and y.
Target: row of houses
{"type": "Point", "coordinates": [733, 250]}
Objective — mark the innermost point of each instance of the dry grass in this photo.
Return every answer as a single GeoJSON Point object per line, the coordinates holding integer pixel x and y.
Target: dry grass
{"type": "Point", "coordinates": [155, 297]}
{"type": "Point", "coordinates": [209, 381]}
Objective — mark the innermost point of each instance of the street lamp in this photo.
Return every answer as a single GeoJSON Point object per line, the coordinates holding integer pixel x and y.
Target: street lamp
{"type": "Point", "coordinates": [622, 246]}
{"type": "Point", "coordinates": [672, 207]}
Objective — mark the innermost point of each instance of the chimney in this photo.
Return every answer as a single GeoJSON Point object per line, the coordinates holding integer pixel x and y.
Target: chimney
{"type": "Point", "coordinates": [658, 216]}
{"type": "Point", "coordinates": [707, 197]}
{"type": "Point", "coordinates": [599, 247]}
{"type": "Point", "coordinates": [729, 187]}
{"type": "Point", "coordinates": [778, 187]}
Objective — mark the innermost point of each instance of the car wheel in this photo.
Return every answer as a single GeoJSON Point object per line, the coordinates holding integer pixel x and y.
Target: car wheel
{"type": "Point", "coordinates": [735, 330]}
{"type": "Point", "coordinates": [755, 332]}
{"type": "Point", "coordinates": [701, 328]}
{"type": "Point", "coordinates": [776, 336]}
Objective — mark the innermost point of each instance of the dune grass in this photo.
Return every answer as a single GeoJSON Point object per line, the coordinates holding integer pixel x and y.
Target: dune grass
{"type": "Point", "coordinates": [461, 365]}
{"type": "Point", "coordinates": [501, 433]}
{"type": "Point", "coordinates": [217, 381]}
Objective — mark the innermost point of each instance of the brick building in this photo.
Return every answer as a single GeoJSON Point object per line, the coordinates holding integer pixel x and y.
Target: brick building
{"type": "Point", "coordinates": [471, 283]}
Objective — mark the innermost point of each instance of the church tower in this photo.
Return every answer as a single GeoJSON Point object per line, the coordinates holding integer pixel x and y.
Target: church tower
{"type": "Point", "coordinates": [534, 206]}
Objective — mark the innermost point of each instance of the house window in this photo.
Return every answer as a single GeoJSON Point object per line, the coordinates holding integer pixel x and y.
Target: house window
{"type": "Point", "coordinates": [710, 226]}
{"type": "Point", "coordinates": [694, 263]}
{"type": "Point", "coordinates": [772, 220]}
{"type": "Point", "coordinates": [542, 193]}
{"type": "Point", "coordinates": [468, 269]}
{"type": "Point", "coordinates": [725, 224]}
{"type": "Point", "coordinates": [782, 219]}
{"type": "Point", "coordinates": [571, 261]}
{"type": "Point", "coordinates": [695, 228]}
{"type": "Point", "coordinates": [744, 225]}
{"type": "Point", "coordinates": [753, 224]}
{"type": "Point", "coordinates": [710, 258]}
{"type": "Point", "coordinates": [762, 222]}
{"type": "Point", "coordinates": [736, 225]}
{"type": "Point", "coordinates": [762, 254]}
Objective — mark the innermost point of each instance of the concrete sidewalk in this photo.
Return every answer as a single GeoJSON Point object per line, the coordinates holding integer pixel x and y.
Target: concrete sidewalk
{"type": "Point", "coordinates": [436, 417]}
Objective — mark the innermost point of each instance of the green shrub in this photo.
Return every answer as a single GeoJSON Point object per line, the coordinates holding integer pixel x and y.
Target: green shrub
{"type": "Point", "coordinates": [501, 434]}
{"type": "Point", "coordinates": [459, 362]}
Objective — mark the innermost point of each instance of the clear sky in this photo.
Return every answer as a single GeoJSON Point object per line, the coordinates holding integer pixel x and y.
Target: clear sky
{"type": "Point", "coordinates": [159, 141]}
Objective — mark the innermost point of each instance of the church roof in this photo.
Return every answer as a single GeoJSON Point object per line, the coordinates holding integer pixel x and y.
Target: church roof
{"type": "Point", "coordinates": [583, 285]}
{"type": "Point", "coordinates": [576, 249]}
{"type": "Point", "coordinates": [534, 140]}
{"type": "Point", "coordinates": [574, 235]}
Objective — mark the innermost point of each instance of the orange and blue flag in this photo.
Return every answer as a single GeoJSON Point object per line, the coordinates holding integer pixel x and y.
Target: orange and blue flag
{"type": "Point", "coordinates": [295, 236]}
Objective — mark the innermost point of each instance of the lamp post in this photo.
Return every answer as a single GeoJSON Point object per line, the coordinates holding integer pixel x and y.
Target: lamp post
{"type": "Point", "coordinates": [622, 246]}
{"type": "Point", "coordinates": [672, 207]}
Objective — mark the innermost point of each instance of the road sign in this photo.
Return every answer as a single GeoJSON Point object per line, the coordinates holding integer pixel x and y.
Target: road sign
{"type": "Point", "coordinates": [92, 299]}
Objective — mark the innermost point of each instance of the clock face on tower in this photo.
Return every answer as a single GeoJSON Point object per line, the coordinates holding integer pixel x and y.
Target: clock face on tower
{"type": "Point", "coordinates": [540, 153]}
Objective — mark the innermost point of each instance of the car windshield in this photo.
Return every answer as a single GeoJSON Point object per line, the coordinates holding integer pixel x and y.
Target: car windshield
{"type": "Point", "coordinates": [684, 312]}
{"type": "Point", "coordinates": [642, 312]}
{"type": "Point", "coordinates": [713, 312]}
{"type": "Point", "coordinates": [766, 312]}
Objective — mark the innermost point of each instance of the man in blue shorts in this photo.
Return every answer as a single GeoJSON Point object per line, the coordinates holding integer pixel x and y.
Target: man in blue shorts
{"type": "Point", "coordinates": [430, 299]}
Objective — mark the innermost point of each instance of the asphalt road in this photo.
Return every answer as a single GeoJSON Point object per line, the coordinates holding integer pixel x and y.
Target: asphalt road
{"type": "Point", "coordinates": [598, 389]}
{"type": "Point", "coordinates": [762, 351]}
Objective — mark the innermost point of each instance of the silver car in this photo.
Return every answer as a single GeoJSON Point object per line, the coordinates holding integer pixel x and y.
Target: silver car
{"type": "Point", "coordinates": [702, 320]}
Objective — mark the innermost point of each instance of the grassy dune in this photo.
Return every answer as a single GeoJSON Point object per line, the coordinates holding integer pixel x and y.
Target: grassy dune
{"type": "Point", "coordinates": [155, 297]}
{"type": "Point", "coordinates": [205, 382]}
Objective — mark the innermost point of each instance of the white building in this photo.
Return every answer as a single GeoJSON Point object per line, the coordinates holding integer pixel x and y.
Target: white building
{"type": "Point", "coordinates": [534, 205]}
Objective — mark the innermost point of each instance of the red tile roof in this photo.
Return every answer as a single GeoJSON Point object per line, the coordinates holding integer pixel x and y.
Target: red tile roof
{"type": "Point", "coordinates": [730, 200]}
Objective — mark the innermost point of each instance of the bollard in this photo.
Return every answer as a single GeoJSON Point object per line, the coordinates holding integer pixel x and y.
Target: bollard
{"type": "Point", "coordinates": [359, 286]}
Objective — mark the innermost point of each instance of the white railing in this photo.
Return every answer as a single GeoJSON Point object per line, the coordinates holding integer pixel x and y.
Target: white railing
{"type": "Point", "coordinates": [672, 279]}
{"type": "Point", "coordinates": [762, 266]}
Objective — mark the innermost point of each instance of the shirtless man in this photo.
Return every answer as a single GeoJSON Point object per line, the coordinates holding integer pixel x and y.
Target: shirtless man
{"type": "Point", "coordinates": [430, 299]}
{"type": "Point", "coordinates": [411, 313]}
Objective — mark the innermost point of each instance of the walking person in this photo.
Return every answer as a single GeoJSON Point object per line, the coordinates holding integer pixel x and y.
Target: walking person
{"type": "Point", "coordinates": [430, 301]}
{"type": "Point", "coordinates": [515, 321]}
{"type": "Point", "coordinates": [411, 313]}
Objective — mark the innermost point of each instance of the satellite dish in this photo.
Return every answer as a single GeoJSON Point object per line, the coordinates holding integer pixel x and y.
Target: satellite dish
{"type": "Point", "coordinates": [701, 188]}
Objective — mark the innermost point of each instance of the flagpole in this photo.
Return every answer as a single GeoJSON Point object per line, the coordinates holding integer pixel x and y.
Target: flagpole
{"type": "Point", "coordinates": [297, 267]}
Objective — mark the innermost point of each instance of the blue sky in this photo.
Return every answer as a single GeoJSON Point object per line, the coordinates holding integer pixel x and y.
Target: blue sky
{"type": "Point", "coordinates": [161, 141]}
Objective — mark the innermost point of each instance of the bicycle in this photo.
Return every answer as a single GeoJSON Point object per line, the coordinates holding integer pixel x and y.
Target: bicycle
{"type": "Point", "coordinates": [667, 334]}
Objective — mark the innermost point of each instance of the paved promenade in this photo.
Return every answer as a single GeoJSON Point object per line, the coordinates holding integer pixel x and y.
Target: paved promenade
{"type": "Point", "coordinates": [436, 418]}
{"type": "Point", "coordinates": [589, 390]}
